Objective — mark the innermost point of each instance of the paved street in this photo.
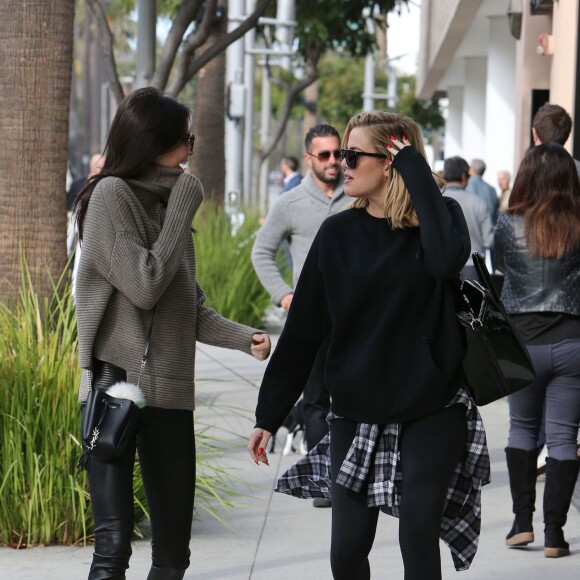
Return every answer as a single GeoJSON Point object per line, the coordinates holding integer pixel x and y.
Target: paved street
{"type": "Point", "coordinates": [272, 536]}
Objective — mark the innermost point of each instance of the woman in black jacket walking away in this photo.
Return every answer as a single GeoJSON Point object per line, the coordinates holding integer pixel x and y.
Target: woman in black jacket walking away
{"type": "Point", "coordinates": [378, 284]}
{"type": "Point", "coordinates": [537, 246]}
{"type": "Point", "coordinates": [137, 265]}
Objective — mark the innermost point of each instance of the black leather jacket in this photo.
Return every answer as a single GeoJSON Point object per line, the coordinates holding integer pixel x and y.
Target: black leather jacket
{"type": "Point", "coordinates": [534, 284]}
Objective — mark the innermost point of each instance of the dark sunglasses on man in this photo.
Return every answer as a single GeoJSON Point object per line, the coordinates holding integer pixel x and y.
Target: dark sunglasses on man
{"type": "Point", "coordinates": [324, 156]}
{"type": "Point", "coordinates": [351, 157]}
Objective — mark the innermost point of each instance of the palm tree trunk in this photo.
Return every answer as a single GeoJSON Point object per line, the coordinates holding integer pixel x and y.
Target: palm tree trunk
{"type": "Point", "coordinates": [36, 41]}
{"type": "Point", "coordinates": [208, 161]}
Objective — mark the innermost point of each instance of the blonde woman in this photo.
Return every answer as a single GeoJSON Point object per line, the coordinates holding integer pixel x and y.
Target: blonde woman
{"type": "Point", "coordinates": [378, 284]}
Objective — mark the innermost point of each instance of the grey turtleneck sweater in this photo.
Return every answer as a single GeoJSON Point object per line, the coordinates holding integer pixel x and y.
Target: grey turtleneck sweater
{"type": "Point", "coordinates": [138, 253]}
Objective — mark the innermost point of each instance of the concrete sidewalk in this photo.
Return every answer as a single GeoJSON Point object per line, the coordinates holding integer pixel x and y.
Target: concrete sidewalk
{"type": "Point", "coordinates": [273, 536]}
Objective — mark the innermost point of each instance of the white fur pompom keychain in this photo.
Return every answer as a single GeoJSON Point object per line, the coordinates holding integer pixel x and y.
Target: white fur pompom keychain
{"type": "Point", "coordinates": [127, 391]}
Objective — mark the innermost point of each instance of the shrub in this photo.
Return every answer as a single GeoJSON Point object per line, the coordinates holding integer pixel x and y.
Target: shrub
{"type": "Point", "coordinates": [224, 267]}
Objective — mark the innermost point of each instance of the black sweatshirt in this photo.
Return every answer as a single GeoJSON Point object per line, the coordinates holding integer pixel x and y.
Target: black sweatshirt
{"type": "Point", "coordinates": [385, 299]}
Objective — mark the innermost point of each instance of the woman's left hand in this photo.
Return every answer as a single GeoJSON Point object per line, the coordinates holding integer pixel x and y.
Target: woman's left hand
{"type": "Point", "coordinates": [257, 446]}
{"type": "Point", "coordinates": [398, 145]}
{"type": "Point", "coordinates": [261, 346]}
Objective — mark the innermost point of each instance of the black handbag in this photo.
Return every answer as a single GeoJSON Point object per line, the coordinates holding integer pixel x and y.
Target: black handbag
{"type": "Point", "coordinates": [110, 414]}
{"type": "Point", "coordinates": [497, 362]}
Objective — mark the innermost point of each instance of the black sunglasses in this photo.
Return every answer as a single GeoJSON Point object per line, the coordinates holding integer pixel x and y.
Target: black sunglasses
{"type": "Point", "coordinates": [325, 155]}
{"type": "Point", "coordinates": [351, 157]}
{"type": "Point", "coordinates": [189, 140]}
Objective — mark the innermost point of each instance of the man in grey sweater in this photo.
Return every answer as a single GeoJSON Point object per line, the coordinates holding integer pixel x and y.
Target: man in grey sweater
{"type": "Point", "coordinates": [475, 210]}
{"type": "Point", "coordinates": [295, 218]}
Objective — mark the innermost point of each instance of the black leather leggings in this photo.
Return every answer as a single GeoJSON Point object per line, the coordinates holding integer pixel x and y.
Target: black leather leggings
{"type": "Point", "coordinates": [430, 449]}
{"type": "Point", "coordinates": [166, 447]}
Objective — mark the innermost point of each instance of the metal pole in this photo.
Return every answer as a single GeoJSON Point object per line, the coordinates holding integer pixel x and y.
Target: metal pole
{"type": "Point", "coordinates": [146, 37]}
{"type": "Point", "coordinates": [284, 33]}
{"type": "Point", "coordinates": [369, 81]}
{"type": "Point", "coordinates": [392, 87]}
{"type": "Point", "coordinates": [392, 98]}
{"type": "Point", "coordinates": [264, 134]}
{"type": "Point", "coordinates": [249, 77]}
{"type": "Point", "coordinates": [234, 122]}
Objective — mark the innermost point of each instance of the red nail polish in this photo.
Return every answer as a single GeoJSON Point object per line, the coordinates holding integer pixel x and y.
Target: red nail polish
{"type": "Point", "coordinates": [392, 137]}
{"type": "Point", "coordinates": [405, 137]}
{"type": "Point", "coordinates": [260, 451]}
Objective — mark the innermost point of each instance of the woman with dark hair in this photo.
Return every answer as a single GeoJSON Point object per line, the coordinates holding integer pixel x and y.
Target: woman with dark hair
{"type": "Point", "coordinates": [537, 246]}
{"type": "Point", "coordinates": [379, 284]}
{"type": "Point", "coordinates": [136, 279]}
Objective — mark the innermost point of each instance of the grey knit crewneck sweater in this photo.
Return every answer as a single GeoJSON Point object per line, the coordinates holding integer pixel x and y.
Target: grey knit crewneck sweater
{"type": "Point", "coordinates": [138, 253]}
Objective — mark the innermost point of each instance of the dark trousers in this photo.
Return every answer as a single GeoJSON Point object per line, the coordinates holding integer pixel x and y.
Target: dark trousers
{"type": "Point", "coordinates": [430, 450]}
{"type": "Point", "coordinates": [316, 401]}
{"type": "Point", "coordinates": [165, 442]}
{"type": "Point", "coordinates": [557, 390]}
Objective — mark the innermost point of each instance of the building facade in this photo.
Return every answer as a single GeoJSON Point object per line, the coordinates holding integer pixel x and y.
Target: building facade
{"type": "Point", "coordinates": [497, 62]}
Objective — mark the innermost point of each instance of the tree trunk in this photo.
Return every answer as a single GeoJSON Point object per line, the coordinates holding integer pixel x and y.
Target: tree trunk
{"type": "Point", "coordinates": [36, 42]}
{"type": "Point", "coordinates": [311, 117]}
{"type": "Point", "coordinates": [208, 161]}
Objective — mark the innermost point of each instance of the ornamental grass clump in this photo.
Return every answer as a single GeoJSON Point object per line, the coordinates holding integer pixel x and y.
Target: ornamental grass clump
{"type": "Point", "coordinates": [44, 497]}
{"type": "Point", "coordinates": [43, 494]}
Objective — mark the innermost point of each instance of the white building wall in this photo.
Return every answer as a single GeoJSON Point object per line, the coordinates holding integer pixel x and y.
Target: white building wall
{"type": "Point", "coordinates": [454, 123]}
{"type": "Point", "coordinates": [500, 116]}
{"type": "Point", "coordinates": [496, 119]}
{"type": "Point", "coordinates": [473, 123]}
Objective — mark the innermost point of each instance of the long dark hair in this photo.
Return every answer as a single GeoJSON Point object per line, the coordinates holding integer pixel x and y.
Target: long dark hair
{"type": "Point", "coordinates": [546, 193]}
{"type": "Point", "coordinates": [146, 125]}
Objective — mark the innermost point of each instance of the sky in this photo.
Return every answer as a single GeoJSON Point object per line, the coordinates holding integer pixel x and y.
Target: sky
{"type": "Point", "coordinates": [403, 37]}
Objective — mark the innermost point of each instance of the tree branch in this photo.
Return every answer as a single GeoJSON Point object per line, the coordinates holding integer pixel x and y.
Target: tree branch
{"type": "Point", "coordinates": [106, 35]}
{"type": "Point", "coordinates": [174, 39]}
{"type": "Point", "coordinates": [291, 95]}
{"type": "Point", "coordinates": [193, 41]}
{"type": "Point", "coordinates": [194, 65]}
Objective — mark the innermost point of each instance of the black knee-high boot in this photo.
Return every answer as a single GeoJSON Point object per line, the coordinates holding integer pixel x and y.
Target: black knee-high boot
{"type": "Point", "coordinates": [108, 567]}
{"type": "Point", "coordinates": [522, 466]}
{"type": "Point", "coordinates": [111, 555]}
{"type": "Point", "coordinates": [157, 573]}
{"type": "Point", "coordinates": [561, 479]}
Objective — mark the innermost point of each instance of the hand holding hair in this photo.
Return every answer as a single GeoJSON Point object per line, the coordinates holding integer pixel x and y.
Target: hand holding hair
{"type": "Point", "coordinates": [398, 145]}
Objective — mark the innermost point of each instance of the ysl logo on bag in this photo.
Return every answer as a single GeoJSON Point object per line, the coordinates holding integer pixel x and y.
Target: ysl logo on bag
{"type": "Point", "coordinates": [94, 437]}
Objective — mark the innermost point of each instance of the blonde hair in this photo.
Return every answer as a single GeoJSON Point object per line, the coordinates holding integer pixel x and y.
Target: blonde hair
{"type": "Point", "coordinates": [379, 126]}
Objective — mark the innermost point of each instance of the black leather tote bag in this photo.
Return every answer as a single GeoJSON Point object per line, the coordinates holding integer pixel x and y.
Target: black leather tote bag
{"type": "Point", "coordinates": [497, 362]}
